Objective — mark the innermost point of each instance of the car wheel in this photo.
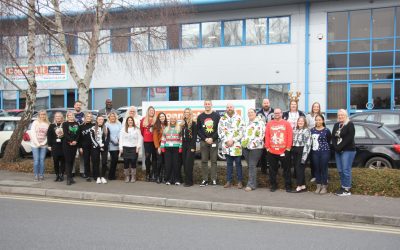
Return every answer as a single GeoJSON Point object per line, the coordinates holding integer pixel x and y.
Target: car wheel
{"type": "Point", "coordinates": [221, 156]}
{"type": "Point", "coordinates": [378, 163]}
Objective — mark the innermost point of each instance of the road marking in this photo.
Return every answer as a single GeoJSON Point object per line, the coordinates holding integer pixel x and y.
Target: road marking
{"type": "Point", "coordinates": [225, 215]}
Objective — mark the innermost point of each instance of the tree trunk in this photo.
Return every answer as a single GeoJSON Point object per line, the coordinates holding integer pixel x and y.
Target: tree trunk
{"type": "Point", "coordinates": [83, 94]}
{"type": "Point", "coordinates": [12, 151]}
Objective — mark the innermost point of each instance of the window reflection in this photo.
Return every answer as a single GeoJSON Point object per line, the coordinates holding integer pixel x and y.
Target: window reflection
{"type": "Point", "coordinates": [278, 30]}
{"type": "Point", "coordinates": [257, 92]}
{"type": "Point", "coordinates": [190, 35]}
{"type": "Point", "coordinates": [383, 22]}
{"type": "Point", "coordinates": [337, 95]}
{"type": "Point", "coordinates": [255, 31]}
{"type": "Point", "coordinates": [9, 99]}
{"type": "Point", "coordinates": [360, 23]}
{"type": "Point", "coordinates": [158, 94]}
{"type": "Point", "coordinates": [210, 92]}
{"type": "Point", "coordinates": [189, 93]}
{"type": "Point", "coordinates": [158, 37]}
{"type": "Point", "coordinates": [278, 95]}
{"type": "Point", "coordinates": [139, 39]}
{"type": "Point", "coordinates": [57, 98]}
{"type": "Point", "coordinates": [233, 31]}
{"type": "Point", "coordinates": [211, 34]}
{"type": "Point", "coordinates": [337, 26]}
{"type": "Point", "coordinates": [138, 95]}
{"type": "Point", "coordinates": [233, 92]}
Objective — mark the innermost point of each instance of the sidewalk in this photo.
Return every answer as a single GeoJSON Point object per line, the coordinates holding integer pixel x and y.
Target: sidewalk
{"type": "Point", "coordinates": [356, 208]}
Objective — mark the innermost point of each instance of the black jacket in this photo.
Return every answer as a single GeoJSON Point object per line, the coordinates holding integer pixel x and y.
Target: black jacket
{"type": "Point", "coordinates": [105, 138]}
{"type": "Point", "coordinates": [285, 114]}
{"type": "Point", "coordinates": [268, 117]}
{"type": "Point", "coordinates": [207, 126]}
{"type": "Point", "coordinates": [189, 136]}
{"type": "Point", "coordinates": [343, 139]}
{"type": "Point", "coordinates": [56, 147]}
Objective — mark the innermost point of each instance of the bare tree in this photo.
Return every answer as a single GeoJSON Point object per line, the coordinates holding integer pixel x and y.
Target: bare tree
{"type": "Point", "coordinates": [12, 150]}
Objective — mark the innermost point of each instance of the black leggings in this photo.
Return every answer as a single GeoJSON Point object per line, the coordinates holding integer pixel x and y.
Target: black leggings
{"type": "Point", "coordinates": [151, 157]}
{"type": "Point", "coordinates": [69, 154]}
{"type": "Point", "coordinates": [113, 164]}
{"type": "Point", "coordinates": [59, 164]}
{"type": "Point", "coordinates": [95, 155]}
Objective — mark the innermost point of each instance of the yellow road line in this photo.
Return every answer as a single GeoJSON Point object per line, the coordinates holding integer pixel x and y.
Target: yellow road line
{"type": "Point", "coordinates": [225, 215]}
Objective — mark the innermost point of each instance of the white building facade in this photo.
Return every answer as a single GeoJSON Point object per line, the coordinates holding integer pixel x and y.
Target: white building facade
{"type": "Point", "coordinates": [342, 54]}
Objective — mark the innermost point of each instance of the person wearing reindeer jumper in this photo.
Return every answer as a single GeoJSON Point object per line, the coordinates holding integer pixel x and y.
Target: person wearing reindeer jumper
{"type": "Point", "coordinates": [230, 131]}
{"type": "Point", "coordinates": [293, 113]}
{"type": "Point", "coordinates": [189, 137]}
{"type": "Point", "coordinates": [70, 144]}
{"type": "Point", "coordinates": [85, 143]}
{"type": "Point", "coordinates": [130, 143]}
{"type": "Point", "coordinates": [253, 146]}
{"type": "Point", "coordinates": [38, 137]}
{"type": "Point", "coordinates": [100, 138]}
{"type": "Point", "coordinates": [278, 142]}
{"type": "Point", "coordinates": [114, 126]}
{"type": "Point", "coordinates": [55, 138]}
{"type": "Point", "coordinates": [171, 146]}
{"type": "Point", "coordinates": [159, 126]}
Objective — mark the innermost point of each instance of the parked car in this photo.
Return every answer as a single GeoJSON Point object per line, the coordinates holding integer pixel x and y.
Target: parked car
{"type": "Point", "coordinates": [16, 112]}
{"type": "Point", "coordinates": [7, 126]}
{"type": "Point", "coordinates": [53, 111]}
{"type": "Point", "coordinates": [376, 145]}
{"type": "Point", "coordinates": [391, 118]}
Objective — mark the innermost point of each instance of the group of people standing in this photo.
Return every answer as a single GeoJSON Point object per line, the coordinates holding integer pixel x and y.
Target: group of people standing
{"type": "Point", "coordinates": [269, 137]}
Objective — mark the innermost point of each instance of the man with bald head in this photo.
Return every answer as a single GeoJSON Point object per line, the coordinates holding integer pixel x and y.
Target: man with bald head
{"type": "Point", "coordinates": [267, 114]}
{"type": "Point", "coordinates": [230, 131]}
{"type": "Point", "coordinates": [108, 109]}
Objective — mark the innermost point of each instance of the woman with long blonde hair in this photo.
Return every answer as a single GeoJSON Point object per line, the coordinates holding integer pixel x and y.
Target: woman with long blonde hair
{"type": "Point", "coordinates": [171, 146]}
{"type": "Point", "coordinates": [39, 144]}
{"type": "Point", "coordinates": [189, 136]}
{"type": "Point", "coordinates": [146, 128]}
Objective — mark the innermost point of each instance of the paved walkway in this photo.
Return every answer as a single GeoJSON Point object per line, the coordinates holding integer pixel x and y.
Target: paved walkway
{"type": "Point", "coordinates": [355, 208]}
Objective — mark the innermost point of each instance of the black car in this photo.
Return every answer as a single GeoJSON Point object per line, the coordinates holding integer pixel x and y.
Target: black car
{"type": "Point", "coordinates": [376, 145]}
{"type": "Point", "coordinates": [391, 118]}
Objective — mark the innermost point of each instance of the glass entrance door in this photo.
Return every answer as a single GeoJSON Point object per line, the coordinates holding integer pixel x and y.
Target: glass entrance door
{"type": "Point", "coordinates": [370, 95]}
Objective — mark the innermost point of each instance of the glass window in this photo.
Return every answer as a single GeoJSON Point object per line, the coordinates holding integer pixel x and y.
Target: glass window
{"type": "Point", "coordinates": [233, 92]}
{"type": "Point", "coordinates": [173, 94]}
{"type": "Point", "coordinates": [22, 46]}
{"type": "Point", "coordinates": [119, 98]}
{"type": "Point", "coordinates": [360, 24]}
{"type": "Point", "coordinates": [55, 48]}
{"type": "Point", "coordinates": [233, 33]}
{"type": "Point", "coordinates": [100, 96]}
{"type": "Point", "coordinates": [138, 95]}
{"type": "Point", "coordinates": [381, 95]}
{"type": "Point", "coordinates": [9, 99]}
{"type": "Point", "coordinates": [257, 92]}
{"type": "Point", "coordinates": [42, 45]}
{"type": "Point", "coordinates": [71, 44]}
{"type": "Point", "coordinates": [337, 61]}
{"type": "Point", "coordinates": [337, 26]}
{"type": "Point", "coordinates": [210, 92]}
{"type": "Point", "coordinates": [398, 43]}
{"type": "Point", "coordinates": [397, 94]}
{"type": "Point", "coordinates": [337, 75]}
{"type": "Point", "coordinates": [90, 102]}
{"type": "Point", "coordinates": [359, 60]}
{"type": "Point", "coordinates": [390, 119]}
{"type": "Point", "coordinates": [359, 74]}
{"type": "Point", "coordinates": [189, 93]}
{"type": "Point", "coordinates": [386, 44]}
{"type": "Point", "coordinates": [211, 34]}
{"type": "Point", "coordinates": [337, 46]}
{"type": "Point", "coordinates": [398, 22]}
{"type": "Point", "coordinates": [278, 30]}
{"type": "Point", "coordinates": [42, 99]}
{"type": "Point", "coordinates": [397, 58]}
{"type": "Point", "coordinates": [383, 22]}
{"type": "Point", "coordinates": [337, 97]}
{"type": "Point", "coordinates": [255, 31]}
{"type": "Point", "coordinates": [158, 37]}
{"type": "Point", "coordinates": [382, 59]}
{"type": "Point", "coordinates": [279, 95]}
{"type": "Point", "coordinates": [382, 73]}
{"type": "Point", "coordinates": [10, 43]}
{"type": "Point", "coordinates": [360, 132]}
{"type": "Point", "coordinates": [191, 35]}
{"type": "Point", "coordinates": [359, 45]}
{"type": "Point", "coordinates": [358, 96]}
{"type": "Point", "coordinates": [70, 98]}
{"type": "Point", "coordinates": [83, 45]}
{"type": "Point", "coordinates": [140, 39]}
{"type": "Point", "coordinates": [158, 94]}
{"type": "Point", "coordinates": [104, 41]}
{"type": "Point", "coordinates": [120, 40]}
{"type": "Point", "coordinates": [57, 98]}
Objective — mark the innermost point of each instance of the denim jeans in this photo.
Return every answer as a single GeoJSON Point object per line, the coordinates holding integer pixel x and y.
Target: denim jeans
{"type": "Point", "coordinates": [252, 157]}
{"type": "Point", "coordinates": [229, 167]}
{"type": "Point", "coordinates": [320, 160]}
{"type": "Point", "coordinates": [39, 154]}
{"type": "Point", "coordinates": [344, 162]}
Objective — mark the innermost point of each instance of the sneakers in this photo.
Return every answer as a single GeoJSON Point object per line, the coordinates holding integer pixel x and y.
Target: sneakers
{"type": "Point", "coordinates": [240, 185]}
{"type": "Point", "coordinates": [36, 178]}
{"type": "Point", "coordinates": [98, 181]}
{"type": "Point", "coordinates": [103, 180]}
{"type": "Point", "coordinates": [214, 182]}
{"type": "Point", "coordinates": [168, 183]}
{"type": "Point", "coordinates": [177, 183]}
{"type": "Point", "coordinates": [204, 183]}
{"type": "Point", "coordinates": [343, 192]}
{"type": "Point", "coordinates": [41, 178]}
{"type": "Point", "coordinates": [312, 180]}
{"type": "Point", "coordinates": [248, 189]}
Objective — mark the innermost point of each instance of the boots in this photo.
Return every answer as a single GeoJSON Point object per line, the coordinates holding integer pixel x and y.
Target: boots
{"type": "Point", "coordinates": [318, 190]}
{"type": "Point", "coordinates": [57, 178]}
{"type": "Point", "coordinates": [61, 177]}
{"type": "Point", "coordinates": [133, 177]}
{"type": "Point", "coordinates": [324, 189]}
{"type": "Point", "coordinates": [126, 173]}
